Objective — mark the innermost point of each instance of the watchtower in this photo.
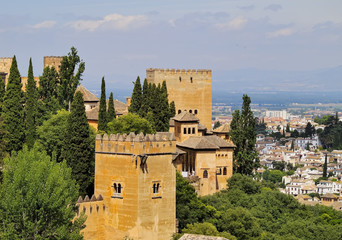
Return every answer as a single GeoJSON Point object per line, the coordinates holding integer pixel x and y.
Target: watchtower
{"type": "Point", "coordinates": [135, 184]}
{"type": "Point", "coordinates": [5, 66]}
{"type": "Point", "coordinates": [189, 89]}
{"type": "Point", "coordinates": [53, 61]}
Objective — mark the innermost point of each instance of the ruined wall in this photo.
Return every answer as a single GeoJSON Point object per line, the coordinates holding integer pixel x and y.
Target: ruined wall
{"type": "Point", "coordinates": [189, 89]}
{"type": "Point", "coordinates": [138, 164]}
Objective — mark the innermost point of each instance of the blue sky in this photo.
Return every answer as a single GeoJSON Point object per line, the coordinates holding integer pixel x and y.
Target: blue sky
{"type": "Point", "coordinates": [120, 39]}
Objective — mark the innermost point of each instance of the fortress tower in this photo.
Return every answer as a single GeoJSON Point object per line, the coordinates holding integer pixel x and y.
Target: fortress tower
{"type": "Point", "coordinates": [5, 65]}
{"type": "Point", "coordinates": [189, 89]}
{"type": "Point", "coordinates": [53, 61]}
{"type": "Point", "coordinates": [135, 184]}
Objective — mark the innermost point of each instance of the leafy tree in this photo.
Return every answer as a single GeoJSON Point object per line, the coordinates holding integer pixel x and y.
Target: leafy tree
{"type": "Point", "coordinates": [279, 165]}
{"type": "Point", "coordinates": [111, 110]}
{"type": "Point", "coordinates": [51, 134]}
{"type": "Point", "coordinates": [70, 77]}
{"type": "Point", "coordinates": [103, 118]}
{"type": "Point", "coordinates": [38, 198]}
{"type": "Point", "coordinates": [309, 130]}
{"type": "Point", "coordinates": [207, 229]}
{"type": "Point", "coordinates": [244, 137]}
{"type": "Point", "coordinates": [275, 176]}
{"type": "Point", "coordinates": [136, 99]}
{"type": "Point", "coordinates": [130, 123]}
{"type": "Point", "coordinates": [295, 133]}
{"type": "Point", "coordinates": [31, 108]}
{"type": "Point", "coordinates": [13, 110]}
{"type": "Point", "coordinates": [77, 147]}
{"type": "Point", "coordinates": [288, 127]}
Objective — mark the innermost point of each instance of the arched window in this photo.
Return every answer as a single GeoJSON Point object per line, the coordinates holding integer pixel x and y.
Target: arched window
{"type": "Point", "coordinates": [179, 111]}
{"type": "Point", "coordinates": [189, 130]}
{"type": "Point", "coordinates": [205, 174]}
{"type": "Point", "coordinates": [119, 188]}
{"type": "Point", "coordinates": [180, 79]}
{"type": "Point", "coordinates": [224, 171]}
{"type": "Point", "coordinates": [195, 111]}
{"type": "Point", "coordinates": [115, 188]}
{"type": "Point", "coordinates": [190, 111]}
{"type": "Point", "coordinates": [191, 79]}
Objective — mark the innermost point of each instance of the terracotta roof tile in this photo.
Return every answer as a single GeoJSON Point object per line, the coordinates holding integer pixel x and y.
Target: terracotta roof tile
{"type": "Point", "coordinates": [87, 95]}
{"type": "Point", "coordinates": [185, 117]}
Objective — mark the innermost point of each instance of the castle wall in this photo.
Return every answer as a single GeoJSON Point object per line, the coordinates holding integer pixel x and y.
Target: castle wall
{"type": "Point", "coordinates": [181, 130]}
{"type": "Point", "coordinates": [224, 159]}
{"type": "Point", "coordinates": [189, 89]}
{"type": "Point", "coordinates": [138, 163]}
{"type": "Point", "coordinates": [206, 160]}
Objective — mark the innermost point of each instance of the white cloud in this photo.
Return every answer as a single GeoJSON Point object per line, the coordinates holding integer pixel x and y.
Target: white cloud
{"type": "Point", "coordinates": [281, 33]}
{"type": "Point", "coordinates": [45, 24]}
{"type": "Point", "coordinates": [112, 21]}
{"type": "Point", "coordinates": [235, 24]}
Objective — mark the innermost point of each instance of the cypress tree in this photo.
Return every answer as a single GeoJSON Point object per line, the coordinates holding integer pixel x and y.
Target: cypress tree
{"type": "Point", "coordinates": [13, 110]}
{"type": "Point", "coordinates": [31, 108]}
{"type": "Point", "coordinates": [2, 93]}
{"type": "Point", "coordinates": [111, 110]}
{"type": "Point", "coordinates": [145, 101]}
{"type": "Point", "coordinates": [325, 166]}
{"type": "Point", "coordinates": [165, 108]}
{"type": "Point", "coordinates": [172, 109]}
{"type": "Point", "coordinates": [136, 99]}
{"type": "Point", "coordinates": [103, 119]}
{"type": "Point", "coordinates": [77, 146]}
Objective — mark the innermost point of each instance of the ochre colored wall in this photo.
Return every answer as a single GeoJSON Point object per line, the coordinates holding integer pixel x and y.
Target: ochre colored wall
{"type": "Point", "coordinates": [137, 212]}
{"type": "Point", "coordinates": [206, 160]}
{"type": "Point", "coordinates": [53, 61]}
{"type": "Point", "coordinates": [224, 158]}
{"type": "Point", "coordinates": [179, 130]}
{"type": "Point", "coordinates": [187, 94]}
{"type": "Point", "coordinates": [5, 65]}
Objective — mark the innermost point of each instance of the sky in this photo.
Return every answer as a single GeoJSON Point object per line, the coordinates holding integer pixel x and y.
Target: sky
{"type": "Point", "coordinates": [241, 41]}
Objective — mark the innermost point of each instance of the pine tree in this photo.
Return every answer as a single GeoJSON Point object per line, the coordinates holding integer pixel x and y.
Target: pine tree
{"type": "Point", "coordinates": [244, 137]}
{"type": "Point", "coordinates": [13, 110]}
{"type": "Point", "coordinates": [77, 146]}
{"type": "Point", "coordinates": [103, 119]}
{"type": "Point", "coordinates": [2, 93]}
{"type": "Point", "coordinates": [136, 99]}
{"type": "Point", "coordinates": [31, 108]}
{"type": "Point", "coordinates": [111, 110]}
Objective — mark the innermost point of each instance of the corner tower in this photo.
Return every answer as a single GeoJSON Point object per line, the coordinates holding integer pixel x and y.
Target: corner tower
{"type": "Point", "coordinates": [189, 89]}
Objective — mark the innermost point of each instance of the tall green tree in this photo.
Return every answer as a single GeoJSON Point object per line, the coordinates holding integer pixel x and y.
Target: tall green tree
{"type": "Point", "coordinates": [146, 100]}
{"type": "Point", "coordinates": [77, 149]}
{"type": "Point", "coordinates": [13, 110]}
{"type": "Point", "coordinates": [31, 107]}
{"type": "Point", "coordinates": [325, 166]}
{"type": "Point", "coordinates": [103, 118]}
{"type": "Point", "coordinates": [111, 109]}
{"type": "Point", "coordinates": [2, 93]}
{"type": "Point", "coordinates": [243, 135]}
{"type": "Point", "coordinates": [38, 198]}
{"type": "Point", "coordinates": [130, 123]}
{"type": "Point", "coordinates": [136, 99]}
{"type": "Point", "coordinates": [70, 75]}
{"type": "Point", "coordinates": [172, 109]}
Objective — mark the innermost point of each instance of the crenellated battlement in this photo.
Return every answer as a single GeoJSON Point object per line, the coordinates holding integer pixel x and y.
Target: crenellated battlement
{"type": "Point", "coordinates": [180, 71]}
{"type": "Point", "coordinates": [90, 205]}
{"type": "Point", "coordinates": [133, 144]}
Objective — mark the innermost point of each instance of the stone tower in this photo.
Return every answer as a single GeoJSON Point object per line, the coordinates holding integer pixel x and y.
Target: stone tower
{"type": "Point", "coordinates": [135, 184]}
{"type": "Point", "coordinates": [53, 61]}
{"type": "Point", "coordinates": [189, 89]}
{"type": "Point", "coordinates": [5, 66]}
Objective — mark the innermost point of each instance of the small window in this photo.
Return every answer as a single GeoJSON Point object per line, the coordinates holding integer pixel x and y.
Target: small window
{"type": "Point", "coordinates": [184, 131]}
{"type": "Point", "coordinates": [190, 111]}
{"type": "Point", "coordinates": [180, 79]}
{"type": "Point", "coordinates": [195, 111]}
{"type": "Point", "coordinates": [205, 174]}
{"type": "Point", "coordinates": [179, 111]}
{"type": "Point", "coordinates": [189, 130]}
{"type": "Point", "coordinates": [156, 187]}
{"type": "Point", "coordinates": [117, 190]}
{"type": "Point", "coordinates": [191, 79]}
{"type": "Point", "coordinates": [224, 171]}
{"type": "Point", "coordinates": [218, 171]}
{"type": "Point", "coordinates": [193, 130]}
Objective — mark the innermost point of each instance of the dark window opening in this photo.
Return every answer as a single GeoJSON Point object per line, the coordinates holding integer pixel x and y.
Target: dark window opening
{"type": "Point", "coordinates": [189, 130]}
{"type": "Point", "coordinates": [218, 171]}
{"type": "Point", "coordinates": [191, 79]}
{"type": "Point", "coordinates": [205, 174]}
{"type": "Point", "coordinates": [179, 111]}
{"type": "Point", "coordinates": [193, 130]}
{"type": "Point", "coordinates": [180, 79]}
{"type": "Point", "coordinates": [184, 130]}
{"type": "Point", "coordinates": [190, 111]}
{"type": "Point", "coordinates": [224, 171]}
{"type": "Point", "coordinates": [195, 111]}
{"type": "Point", "coordinates": [156, 188]}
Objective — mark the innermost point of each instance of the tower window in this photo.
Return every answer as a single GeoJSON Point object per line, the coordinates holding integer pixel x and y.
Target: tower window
{"type": "Point", "coordinates": [184, 131]}
{"type": "Point", "coordinates": [224, 171]}
{"type": "Point", "coordinates": [180, 79]}
{"type": "Point", "coordinates": [179, 111]}
{"type": "Point", "coordinates": [117, 190]}
{"type": "Point", "coordinates": [193, 130]}
{"type": "Point", "coordinates": [156, 187]}
{"type": "Point", "coordinates": [205, 174]}
{"type": "Point", "coordinates": [189, 130]}
{"type": "Point", "coordinates": [191, 79]}
{"type": "Point", "coordinates": [190, 111]}
{"type": "Point", "coordinates": [195, 111]}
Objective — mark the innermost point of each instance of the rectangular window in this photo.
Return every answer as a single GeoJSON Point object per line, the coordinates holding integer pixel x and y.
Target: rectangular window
{"type": "Point", "coordinates": [193, 130]}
